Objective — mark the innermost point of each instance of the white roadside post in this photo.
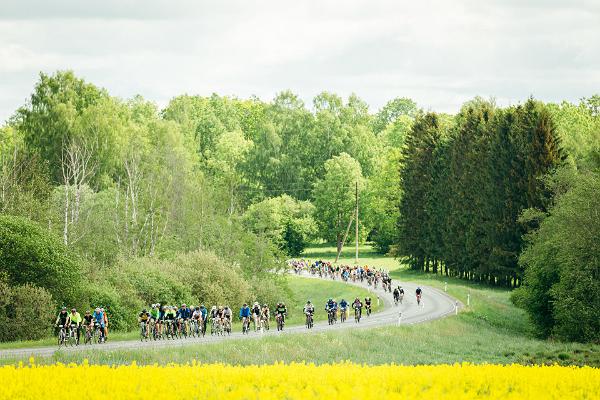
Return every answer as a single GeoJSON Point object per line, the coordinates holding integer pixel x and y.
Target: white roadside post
{"type": "Point", "coordinates": [469, 298]}
{"type": "Point", "coordinates": [377, 301]}
{"type": "Point", "coordinates": [456, 307]}
{"type": "Point", "coordinates": [445, 286]}
{"type": "Point", "coordinates": [399, 317]}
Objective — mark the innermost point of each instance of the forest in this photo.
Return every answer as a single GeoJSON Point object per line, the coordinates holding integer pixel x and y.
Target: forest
{"type": "Point", "coordinates": [115, 202]}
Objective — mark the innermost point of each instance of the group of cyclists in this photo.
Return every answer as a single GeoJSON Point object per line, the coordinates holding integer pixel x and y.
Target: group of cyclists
{"type": "Point", "coordinates": [171, 322]}
{"type": "Point", "coordinates": [71, 324]}
{"type": "Point", "coordinates": [346, 273]}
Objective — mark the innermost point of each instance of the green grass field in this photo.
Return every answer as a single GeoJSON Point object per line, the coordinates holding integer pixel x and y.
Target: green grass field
{"type": "Point", "coordinates": [490, 330]}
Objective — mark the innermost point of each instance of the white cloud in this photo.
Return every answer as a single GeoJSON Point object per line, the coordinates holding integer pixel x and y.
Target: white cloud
{"type": "Point", "coordinates": [438, 52]}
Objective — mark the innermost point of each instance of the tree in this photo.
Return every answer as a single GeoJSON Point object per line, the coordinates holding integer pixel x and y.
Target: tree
{"type": "Point", "coordinates": [392, 111]}
{"type": "Point", "coordinates": [335, 196]}
{"type": "Point", "coordinates": [49, 119]}
{"type": "Point", "coordinates": [561, 288]}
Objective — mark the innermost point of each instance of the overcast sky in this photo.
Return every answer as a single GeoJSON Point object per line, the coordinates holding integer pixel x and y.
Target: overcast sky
{"type": "Point", "coordinates": [440, 53]}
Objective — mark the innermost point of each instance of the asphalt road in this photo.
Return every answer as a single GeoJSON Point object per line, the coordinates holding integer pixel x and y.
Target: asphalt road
{"type": "Point", "coordinates": [435, 304]}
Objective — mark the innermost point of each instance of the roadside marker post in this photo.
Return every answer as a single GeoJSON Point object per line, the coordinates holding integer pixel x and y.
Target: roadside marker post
{"type": "Point", "coordinates": [377, 301]}
{"type": "Point", "coordinates": [445, 286]}
{"type": "Point", "coordinates": [469, 299]}
{"type": "Point", "coordinates": [399, 317]}
{"type": "Point", "coordinates": [456, 307]}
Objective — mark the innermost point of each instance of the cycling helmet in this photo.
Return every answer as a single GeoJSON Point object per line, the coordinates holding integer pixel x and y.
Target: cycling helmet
{"type": "Point", "coordinates": [307, 301]}
{"type": "Point", "coordinates": [96, 310]}
{"type": "Point", "coordinates": [183, 305]}
{"type": "Point", "coordinates": [64, 309]}
{"type": "Point", "coordinates": [201, 305]}
{"type": "Point", "coordinates": [245, 305]}
{"type": "Point", "coordinates": [265, 305]}
{"type": "Point", "coordinates": [73, 309]}
{"type": "Point", "coordinates": [87, 311]}
{"type": "Point", "coordinates": [144, 311]}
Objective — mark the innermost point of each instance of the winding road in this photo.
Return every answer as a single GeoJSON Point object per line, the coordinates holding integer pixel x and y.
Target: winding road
{"type": "Point", "coordinates": [435, 304]}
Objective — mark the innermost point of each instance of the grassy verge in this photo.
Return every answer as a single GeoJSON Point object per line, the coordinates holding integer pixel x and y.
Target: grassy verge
{"type": "Point", "coordinates": [490, 330]}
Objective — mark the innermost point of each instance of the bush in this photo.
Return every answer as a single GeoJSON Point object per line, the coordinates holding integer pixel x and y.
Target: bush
{"type": "Point", "coordinates": [30, 254]}
{"type": "Point", "coordinates": [26, 311]}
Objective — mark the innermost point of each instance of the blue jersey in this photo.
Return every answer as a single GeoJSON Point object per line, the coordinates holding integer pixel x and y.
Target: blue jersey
{"type": "Point", "coordinates": [204, 312]}
{"type": "Point", "coordinates": [244, 312]}
{"type": "Point", "coordinates": [98, 317]}
{"type": "Point", "coordinates": [343, 304]}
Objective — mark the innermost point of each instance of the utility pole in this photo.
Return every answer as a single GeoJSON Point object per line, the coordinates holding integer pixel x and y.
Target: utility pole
{"type": "Point", "coordinates": [356, 198]}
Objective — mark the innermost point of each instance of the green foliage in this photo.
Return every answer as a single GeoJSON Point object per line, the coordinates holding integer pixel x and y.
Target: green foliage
{"type": "Point", "coordinates": [335, 196]}
{"type": "Point", "coordinates": [31, 255]}
{"type": "Point", "coordinates": [464, 191]}
{"type": "Point", "coordinates": [561, 289]}
{"type": "Point", "coordinates": [26, 311]}
{"type": "Point", "coordinates": [285, 221]}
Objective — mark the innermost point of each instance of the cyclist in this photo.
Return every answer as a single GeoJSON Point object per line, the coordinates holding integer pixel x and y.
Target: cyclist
{"type": "Point", "coordinates": [228, 316]}
{"type": "Point", "coordinates": [62, 319]}
{"type": "Point", "coordinates": [105, 316]}
{"type": "Point", "coordinates": [88, 321]}
{"type": "Point", "coordinates": [331, 308]}
{"type": "Point", "coordinates": [144, 318]}
{"type": "Point", "coordinates": [155, 317]}
{"type": "Point", "coordinates": [343, 306]}
{"type": "Point", "coordinates": [281, 309]}
{"type": "Point", "coordinates": [170, 315]}
{"type": "Point", "coordinates": [98, 317]}
{"type": "Point", "coordinates": [204, 312]}
{"type": "Point", "coordinates": [244, 314]}
{"type": "Point", "coordinates": [183, 315]}
{"type": "Point", "coordinates": [75, 319]}
{"type": "Point", "coordinates": [265, 314]}
{"type": "Point", "coordinates": [197, 318]}
{"type": "Point", "coordinates": [309, 309]}
{"type": "Point", "coordinates": [419, 294]}
{"type": "Point", "coordinates": [368, 305]}
{"type": "Point", "coordinates": [396, 295]}
{"type": "Point", "coordinates": [256, 315]}
{"type": "Point", "coordinates": [401, 293]}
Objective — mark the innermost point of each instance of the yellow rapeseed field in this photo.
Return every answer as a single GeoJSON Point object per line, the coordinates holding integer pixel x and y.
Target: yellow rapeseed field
{"type": "Point", "coordinates": [298, 381]}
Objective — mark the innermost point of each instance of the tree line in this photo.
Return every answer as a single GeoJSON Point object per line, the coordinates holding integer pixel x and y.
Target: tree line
{"type": "Point", "coordinates": [485, 198]}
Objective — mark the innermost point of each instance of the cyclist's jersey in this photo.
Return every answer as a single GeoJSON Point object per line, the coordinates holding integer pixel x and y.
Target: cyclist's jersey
{"type": "Point", "coordinates": [227, 313]}
{"type": "Point", "coordinates": [214, 313]}
{"type": "Point", "coordinates": [281, 310]}
{"type": "Point", "coordinates": [154, 313]}
{"type": "Point", "coordinates": [170, 315]}
{"type": "Point", "coordinates": [62, 318]}
{"type": "Point", "coordinates": [144, 317]}
{"type": "Point", "coordinates": [309, 309]}
{"type": "Point", "coordinates": [343, 305]}
{"type": "Point", "coordinates": [330, 306]}
{"type": "Point", "coordinates": [244, 312]}
{"type": "Point", "coordinates": [183, 313]}
{"type": "Point", "coordinates": [87, 319]}
{"type": "Point", "coordinates": [396, 293]}
{"type": "Point", "coordinates": [204, 312]}
{"type": "Point", "coordinates": [99, 317]}
{"type": "Point", "coordinates": [368, 302]}
{"type": "Point", "coordinates": [401, 291]}
{"type": "Point", "coordinates": [357, 304]}
{"type": "Point", "coordinates": [256, 310]}
{"type": "Point", "coordinates": [265, 312]}
{"type": "Point", "coordinates": [197, 314]}
{"type": "Point", "coordinates": [75, 318]}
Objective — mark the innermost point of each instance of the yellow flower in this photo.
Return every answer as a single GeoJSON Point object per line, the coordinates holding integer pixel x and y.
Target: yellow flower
{"type": "Point", "coordinates": [298, 381]}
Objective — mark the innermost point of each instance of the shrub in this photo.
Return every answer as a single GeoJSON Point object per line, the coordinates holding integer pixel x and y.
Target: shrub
{"type": "Point", "coordinates": [31, 254]}
{"type": "Point", "coordinates": [26, 311]}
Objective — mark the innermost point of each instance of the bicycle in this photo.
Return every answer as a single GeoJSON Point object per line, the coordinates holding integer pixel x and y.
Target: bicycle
{"type": "Point", "coordinates": [342, 315]}
{"type": "Point", "coordinates": [245, 325]}
{"type": "Point", "coordinates": [99, 333]}
{"type": "Point", "coordinates": [331, 317]}
{"type": "Point", "coordinates": [88, 335]}
{"type": "Point", "coordinates": [280, 322]}
{"type": "Point", "coordinates": [265, 322]}
{"type": "Point", "coordinates": [62, 335]}
{"type": "Point", "coordinates": [226, 326]}
{"type": "Point", "coordinates": [309, 320]}
{"type": "Point", "coordinates": [143, 331]}
{"type": "Point", "coordinates": [357, 314]}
